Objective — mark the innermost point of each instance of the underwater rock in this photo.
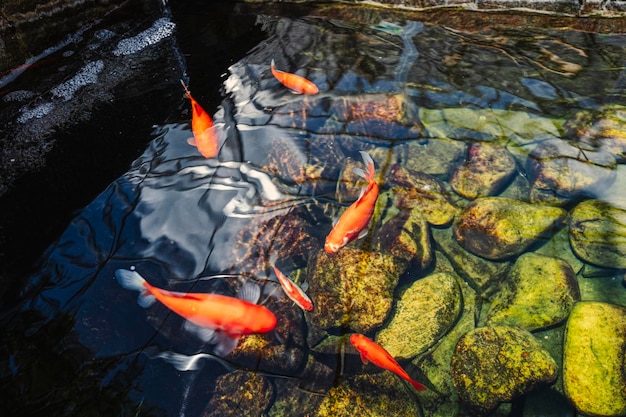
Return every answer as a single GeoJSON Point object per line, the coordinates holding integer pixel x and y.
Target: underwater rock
{"type": "Point", "coordinates": [496, 364]}
{"type": "Point", "coordinates": [560, 170]}
{"type": "Point", "coordinates": [406, 237]}
{"type": "Point", "coordinates": [352, 288]}
{"type": "Point", "coordinates": [375, 395]}
{"type": "Point", "coordinates": [417, 190]}
{"type": "Point", "coordinates": [486, 169]}
{"type": "Point", "coordinates": [423, 314]}
{"type": "Point", "coordinates": [240, 393]}
{"type": "Point", "coordinates": [593, 359]}
{"type": "Point", "coordinates": [437, 157]}
{"type": "Point", "coordinates": [606, 130]}
{"type": "Point", "coordinates": [539, 293]}
{"type": "Point", "coordinates": [497, 228]}
{"type": "Point", "coordinates": [597, 233]}
{"type": "Point", "coordinates": [482, 274]}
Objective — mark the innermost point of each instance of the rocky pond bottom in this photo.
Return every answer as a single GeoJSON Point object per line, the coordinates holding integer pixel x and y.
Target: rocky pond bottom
{"type": "Point", "coordinates": [492, 269]}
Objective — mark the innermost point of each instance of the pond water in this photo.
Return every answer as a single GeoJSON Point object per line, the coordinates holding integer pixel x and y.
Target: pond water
{"type": "Point", "coordinates": [499, 158]}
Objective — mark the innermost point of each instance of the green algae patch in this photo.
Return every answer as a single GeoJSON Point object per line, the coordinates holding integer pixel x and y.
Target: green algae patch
{"type": "Point", "coordinates": [496, 364]}
{"type": "Point", "coordinates": [352, 288]}
{"type": "Point", "coordinates": [424, 313]}
{"type": "Point", "coordinates": [593, 359]}
{"type": "Point", "coordinates": [598, 233]}
{"type": "Point", "coordinates": [540, 292]}
{"type": "Point", "coordinates": [498, 228]}
{"type": "Point", "coordinates": [247, 392]}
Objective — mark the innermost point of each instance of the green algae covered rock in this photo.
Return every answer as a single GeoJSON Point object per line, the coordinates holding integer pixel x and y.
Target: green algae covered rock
{"type": "Point", "coordinates": [496, 364]}
{"type": "Point", "coordinates": [352, 288]}
{"type": "Point", "coordinates": [424, 313]}
{"type": "Point", "coordinates": [240, 393]}
{"type": "Point", "coordinates": [482, 274]}
{"type": "Point", "coordinates": [498, 228]}
{"type": "Point", "coordinates": [423, 192]}
{"type": "Point", "coordinates": [486, 169]}
{"type": "Point", "coordinates": [594, 377]}
{"type": "Point", "coordinates": [378, 395]}
{"type": "Point", "coordinates": [598, 233]}
{"type": "Point", "coordinates": [540, 292]}
{"type": "Point", "coordinates": [437, 157]}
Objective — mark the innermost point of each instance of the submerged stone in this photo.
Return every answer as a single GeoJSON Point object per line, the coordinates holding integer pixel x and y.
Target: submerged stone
{"type": "Point", "coordinates": [606, 130]}
{"type": "Point", "coordinates": [352, 288]}
{"type": "Point", "coordinates": [486, 169]}
{"type": "Point", "coordinates": [240, 393]}
{"type": "Point", "coordinates": [437, 157]}
{"type": "Point", "coordinates": [417, 190]}
{"type": "Point", "coordinates": [598, 233]}
{"type": "Point", "coordinates": [497, 364]}
{"type": "Point", "coordinates": [540, 292]}
{"type": "Point", "coordinates": [423, 314]}
{"type": "Point", "coordinates": [593, 359]}
{"type": "Point", "coordinates": [407, 237]}
{"type": "Point", "coordinates": [498, 228]}
{"type": "Point", "coordinates": [560, 171]}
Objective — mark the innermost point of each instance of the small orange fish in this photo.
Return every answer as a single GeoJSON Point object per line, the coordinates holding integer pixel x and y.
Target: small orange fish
{"type": "Point", "coordinates": [232, 316]}
{"type": "Point", "coordinates": [295, 83]}
{"type": "Point", "coordinates": [354, 221]}
{"type": "Point", "coordinates": [294, 292]}
{"type": "Point", "coordinates": [205, 136]}
{"type": "Point", "coordinates": [375, 353]}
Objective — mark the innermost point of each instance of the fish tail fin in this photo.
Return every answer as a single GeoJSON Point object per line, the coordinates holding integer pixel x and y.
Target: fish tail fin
{"type": "Point", "coordinates": [369, 164]}
{"type": "Point", "coordinates": [273, 65]}
{"type": "Point", "coordinates": [186, 88]}
{"type": "Point", "coordinates": [417, 385]}
{"type": "Point", "coordinates": [273, 259]}
{"type": "Point", "coordinates": [132, 280]}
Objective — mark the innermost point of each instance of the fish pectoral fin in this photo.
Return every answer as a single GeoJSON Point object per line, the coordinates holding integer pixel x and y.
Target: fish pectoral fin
{"type": "Point", "coordinates": [363, 358]}
{"type": "Point", "coordinates": [192, 142]}
{"type": "Point", "coordinates": [363, 233]}
{"type": "Point", "coordinates": [250, 292]}
{"type": "Point", "coordinates": [304, 286]}
{"type": "Point", "coordinates": [225, 344]}
{"type": "Point", "coordinates": [203, 333]}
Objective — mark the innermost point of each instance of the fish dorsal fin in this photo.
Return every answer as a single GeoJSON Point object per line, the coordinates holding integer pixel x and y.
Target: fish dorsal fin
{"type": "Point", "coordinates": [335, 221]}
{"type": "Point", "coordinates": [249, 292]}
{"type": "Point", "coordinates": [363, 358]}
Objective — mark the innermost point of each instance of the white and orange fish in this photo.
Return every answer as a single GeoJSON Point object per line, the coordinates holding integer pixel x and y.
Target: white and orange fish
{"type": "Point", "coordinates": [295, 83]}
{"type": "Point", "coordinates": [371, 351]}
{"type": "Point", "coordinates": [205, 135]}
{"type": "Point", "coordinates": [226, 318]}
{"type": "Point", "coordinates": [354, 221]}
{"type": "Point", "coordinates": [293, 291]}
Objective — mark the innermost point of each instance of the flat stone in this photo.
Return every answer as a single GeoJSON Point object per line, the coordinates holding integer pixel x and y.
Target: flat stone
{"type": "Point", "coordinates": [424, 313]}
{"type": "Point", "coordinates": [593, 359]}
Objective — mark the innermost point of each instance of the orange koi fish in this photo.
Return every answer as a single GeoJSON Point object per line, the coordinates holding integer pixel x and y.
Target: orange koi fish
{"type": "Point", "coordinates": [294, 292]}
{"type": "Point", "coordinates": [354, 221]}
{"type": "Point", "coordinates": [375, 353]}
{"type": "Point", "coordinates": [205, 136]}
{"type": "Point", "coordinates": [231, 316]}
{"type": "Point", "coordinates": [295, 83]}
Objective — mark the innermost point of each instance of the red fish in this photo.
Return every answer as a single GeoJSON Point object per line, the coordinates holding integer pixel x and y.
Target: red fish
{"type": "Point", "coordinates": [294, 292]}
{"type": "Point", "coordinates": [295, 83]}
{"type": "Point", "coordinates": [232, 316]}
{"type": "Point", "coordinates": [205, 136]}
{"type": "Point", "coordinates": [375, 353]}
{"type": "Point", "coordinates": [354, 221]}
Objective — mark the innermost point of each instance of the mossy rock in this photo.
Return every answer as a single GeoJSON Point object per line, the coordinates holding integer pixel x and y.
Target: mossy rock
{"type": "Point", "coordinates": [497, 364]}
{"type": "Point", "coordinates": [240, 393]}
{"type": "Point", "coordinates": [352, 288]}
{"type": "Point", "coordinates": [498, 228]}
{"type": "Point", "coordinates": [593, 359]}
{"type": "Point", "coordinates": [598, 233]}
{"type": "Point", "coordinates": [540, 292]}
{"type": "Point", "coordinates": [424, 313]}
